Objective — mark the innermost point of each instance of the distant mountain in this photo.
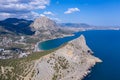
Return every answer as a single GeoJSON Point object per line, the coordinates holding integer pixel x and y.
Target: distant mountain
{"type": "Point", "coordinates": [76, 25]}
{"type": "Point", "coordinates": [42, 26]}
{"type": "Point", "coordinates": [18, 26]}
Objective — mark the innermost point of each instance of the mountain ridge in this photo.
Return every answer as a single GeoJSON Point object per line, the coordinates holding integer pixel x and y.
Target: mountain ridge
{"type": "Point", "coordinates": [18, 26]}
{"type": "Point", "coordinates": [28, 27]}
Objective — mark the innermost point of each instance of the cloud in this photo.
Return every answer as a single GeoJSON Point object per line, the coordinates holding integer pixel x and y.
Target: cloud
{"type": "Point", "coordinates": [48, 13]}
{"type": "Point", "coordinates": [31, 15]}
{"type": "Point", "coordinates": [71, 10]}
{"type": "Point", "coordinates": [42, 15]}
{"type": "Point", "coordinates": [56, 19]}
{"type": "Point", "coordinates": [19, 8]}
{"type": "Point", "coordinates": [5, 15]}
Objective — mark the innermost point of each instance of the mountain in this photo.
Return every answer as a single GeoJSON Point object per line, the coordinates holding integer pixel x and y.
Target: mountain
{"type": "Point", "coordinates": [76, 25]}
{"type": "Point", "coordinates": [41, 27]}
{"type": "Point", "coordinates": [44, 23]}
{"type": "Point", "coordinates": [47, 28]}
{"type": "Point", "coordinates": [18, 26]}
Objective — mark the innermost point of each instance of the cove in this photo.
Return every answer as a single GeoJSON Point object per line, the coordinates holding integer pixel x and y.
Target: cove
{"type": "Point", "coordinates": [54, 43]}
{"type": "Point", "coordinates": [105, 44]}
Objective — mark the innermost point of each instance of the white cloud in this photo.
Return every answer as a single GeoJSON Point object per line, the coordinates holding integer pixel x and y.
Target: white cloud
{"type": "Point", "coordinates": [21, 8]}
{"type": "Point", "coordinates": [30, 15]}
{"type": "Point", "coordinates": [56, 19]}
{"type": "Point", "coordinates": [71, 10]}
{"type": "Point", "coordinates": [48, 13]}
{"type": "Point", "coordinates": [16, 5]}
{"type": "Point", "coordinates": [5, 15]}
{"type": "Point", "coordinates": [42, 15]}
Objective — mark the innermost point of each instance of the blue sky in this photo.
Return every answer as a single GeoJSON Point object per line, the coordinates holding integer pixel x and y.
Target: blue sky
{"type": "Point", "coordinates": [94, 12]}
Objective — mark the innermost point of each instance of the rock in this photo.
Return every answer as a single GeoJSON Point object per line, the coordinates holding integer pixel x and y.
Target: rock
{"type": "Point", "coordinates": [44, 23]}
{"type": "Point", "coordinates": [70, 62]}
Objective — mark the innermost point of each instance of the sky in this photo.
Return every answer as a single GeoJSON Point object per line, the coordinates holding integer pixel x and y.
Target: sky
{"type": "Point", "coordinates": [93, 12]}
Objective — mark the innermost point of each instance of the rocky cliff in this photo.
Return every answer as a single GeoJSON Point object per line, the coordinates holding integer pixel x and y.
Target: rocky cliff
{"type": "Point", "coordinates": [71, 62]}
{"type": "Point", "coordinates": [44, 26]}
{"type": "Point", "coordinates": [44, 23]}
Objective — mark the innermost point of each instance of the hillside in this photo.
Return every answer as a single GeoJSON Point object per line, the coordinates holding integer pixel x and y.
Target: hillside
{"type": "Point", "coordinates": [18, 26]}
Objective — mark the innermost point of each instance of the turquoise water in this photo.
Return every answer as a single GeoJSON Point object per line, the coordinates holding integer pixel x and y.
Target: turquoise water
{"type": "Point", "coordinates": [106, 46]}
{"type": "Point", "coordinates": [51, 44]}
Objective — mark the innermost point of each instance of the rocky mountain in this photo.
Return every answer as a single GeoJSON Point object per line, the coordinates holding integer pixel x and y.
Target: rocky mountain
{"type": "Point", "coordinates": [17, 26]}
{"type": "Point", "coordinates": [47, 28]}
{"type": "Point", "coordinates": [44, 23]}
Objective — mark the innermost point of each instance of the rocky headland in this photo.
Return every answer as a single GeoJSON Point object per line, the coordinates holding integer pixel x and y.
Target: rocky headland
{"type": "Point", "coordinates": [70, 62]}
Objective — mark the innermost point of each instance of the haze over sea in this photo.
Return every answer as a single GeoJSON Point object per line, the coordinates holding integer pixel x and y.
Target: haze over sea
{"type": "Point", "coordinates": [105, 45]}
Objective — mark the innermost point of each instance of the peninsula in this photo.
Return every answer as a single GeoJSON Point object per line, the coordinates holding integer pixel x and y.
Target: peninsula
{"type": "Point", "coordinates": [70, 62]}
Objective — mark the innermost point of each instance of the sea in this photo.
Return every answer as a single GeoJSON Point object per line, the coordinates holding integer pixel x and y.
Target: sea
{"type": "Point", "coordinates": [104, 43]}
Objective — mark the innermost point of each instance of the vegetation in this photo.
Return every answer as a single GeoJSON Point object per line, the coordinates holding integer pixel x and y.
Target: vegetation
{"type": "Point", "coordinates": [21, 65]}
{"type": "Point", "coordinates": [31, 40]}
{"type": "Point", "coordinates": [60, 64]}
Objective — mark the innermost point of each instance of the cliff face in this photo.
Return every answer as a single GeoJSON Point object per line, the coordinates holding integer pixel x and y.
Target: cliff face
{"type": "Point", "coordinates": [44, 23]}
{"type": "Point", "coordinates": [71, 62]}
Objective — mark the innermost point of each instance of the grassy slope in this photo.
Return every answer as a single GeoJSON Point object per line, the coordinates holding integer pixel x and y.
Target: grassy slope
{"type": "Point", "coordinates": [21, 64]}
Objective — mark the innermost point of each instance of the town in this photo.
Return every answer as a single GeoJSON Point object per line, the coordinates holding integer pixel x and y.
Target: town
{"type": "Point", "coordinates": [15, 47]}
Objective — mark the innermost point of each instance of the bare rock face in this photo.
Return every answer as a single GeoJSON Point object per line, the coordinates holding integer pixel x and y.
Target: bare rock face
{"type": "Point", "coordinates": [71, 62]}
{"type": "Point", "coordinates": [44, 23]}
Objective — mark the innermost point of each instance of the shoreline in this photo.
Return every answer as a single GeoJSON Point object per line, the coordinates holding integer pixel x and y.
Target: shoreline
{"type": "Point", "coordinates": [37, 49]}
{"type": "Point", "coordinates": [89, 70]}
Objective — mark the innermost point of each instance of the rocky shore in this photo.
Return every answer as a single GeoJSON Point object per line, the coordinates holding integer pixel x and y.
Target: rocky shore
{"type": "Point", "coordinates": [71, 62]}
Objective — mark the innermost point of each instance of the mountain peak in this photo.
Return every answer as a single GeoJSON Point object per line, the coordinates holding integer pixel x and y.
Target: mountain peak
{"type": "Point", "coordinates": [42, 18]}
{"type": "Point", "coordinates": [44, 23]}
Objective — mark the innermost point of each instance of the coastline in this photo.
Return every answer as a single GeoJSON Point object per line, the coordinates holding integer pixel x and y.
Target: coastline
{"type": "Point", "coordinates": [37, 49]}
{"type": "Point", "coordinates": [79, 71]}
{"type": "Point", "coordinates": [88, 71]}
